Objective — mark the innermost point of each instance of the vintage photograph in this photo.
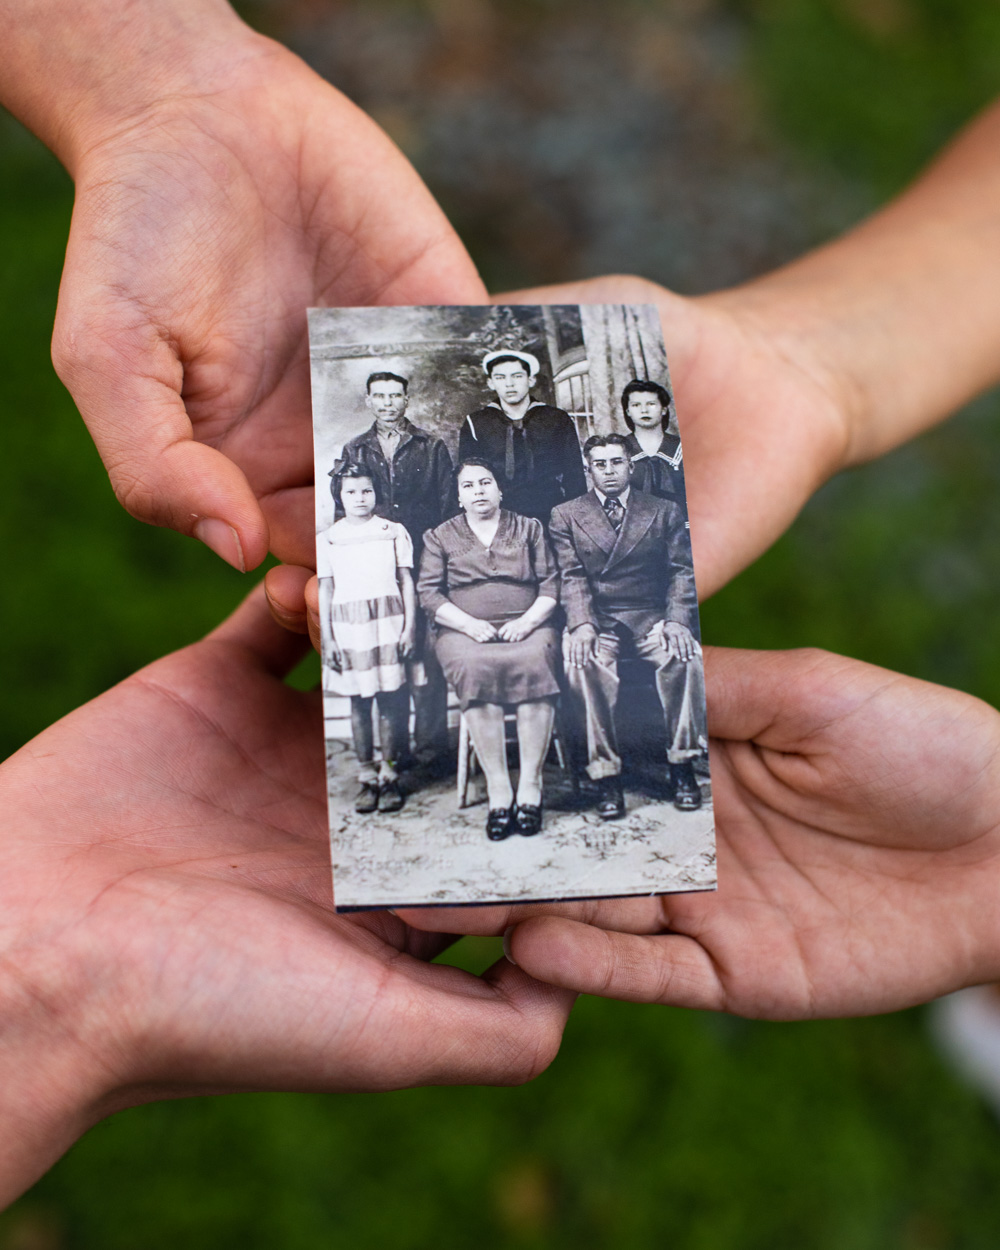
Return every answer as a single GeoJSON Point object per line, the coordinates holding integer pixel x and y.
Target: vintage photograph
{"type": "Point", "coordinates": [513, 686]}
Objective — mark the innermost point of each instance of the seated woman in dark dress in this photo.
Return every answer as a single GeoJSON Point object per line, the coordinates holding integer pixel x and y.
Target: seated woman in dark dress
{"type": "Point", "coordinates": [489, 584]}
{"type": "Point", "coordinates": [656, 453]}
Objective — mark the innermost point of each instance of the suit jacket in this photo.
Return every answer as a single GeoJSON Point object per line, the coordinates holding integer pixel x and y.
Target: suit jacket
{"type": "Point", "coordinates": [548, 465]}
{"type": "Point", "coordinates": [629, 580]}
{"type": "Point", "coordinates": [417, 488]}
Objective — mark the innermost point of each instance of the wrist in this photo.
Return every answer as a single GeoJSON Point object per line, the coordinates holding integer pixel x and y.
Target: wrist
{"type": "Point", "coordinates": [114, 64]}
{"type": "Point", "coordinates": [790, 320]}
{"type": "Point", "coordinates": [53, 1087]}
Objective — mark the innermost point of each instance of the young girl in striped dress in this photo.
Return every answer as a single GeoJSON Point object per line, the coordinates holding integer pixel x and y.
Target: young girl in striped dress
{"type": "Point", "coordinates": [372, 616]}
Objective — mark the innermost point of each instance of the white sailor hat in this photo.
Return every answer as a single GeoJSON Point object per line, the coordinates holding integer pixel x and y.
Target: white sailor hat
{"type": "Point", "coordinates": [531, 362]}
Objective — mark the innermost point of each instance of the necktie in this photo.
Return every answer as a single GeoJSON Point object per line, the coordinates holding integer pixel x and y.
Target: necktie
{"type": "Point", "coordinates": [615, 512]}
{"type": "Point", "coordinates": [516, 445]}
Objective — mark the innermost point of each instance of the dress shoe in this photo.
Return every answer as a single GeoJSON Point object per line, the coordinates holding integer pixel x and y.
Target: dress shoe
{"type": "Point", "coordinates": [527, 819]}
{"type": "Point", "coordinates": [687, 792]}
{"type": "Point", "coordinates": [610, 799]}
{"type": "Point", "coordinates": [390, 797]}
{"type": "Point", "coordinates": [367, 798]}
{"type": "Point", "coordinates": [500, 823]}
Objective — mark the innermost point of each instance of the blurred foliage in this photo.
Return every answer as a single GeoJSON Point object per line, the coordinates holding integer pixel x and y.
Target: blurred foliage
{"type": "Point", "coordinates": [874, 86]}
{"type": "Point", "coordinates": [654, 1127]}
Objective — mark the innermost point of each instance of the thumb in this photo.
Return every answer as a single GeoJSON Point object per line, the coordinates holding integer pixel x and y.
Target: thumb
{"type": "Point", "coordinates": [775, 698]}
{"type": "Point", "coordinates": [253, 628]}
{"type": "Point", "coordinates": [127, 383]}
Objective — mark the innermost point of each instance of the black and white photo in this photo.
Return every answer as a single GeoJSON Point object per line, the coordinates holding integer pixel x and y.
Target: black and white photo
{"type": "Point", "coordinates": [514, 699]}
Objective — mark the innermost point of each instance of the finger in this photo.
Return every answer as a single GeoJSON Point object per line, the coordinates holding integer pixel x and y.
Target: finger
{"type": "Point", "coordinates": [779, 698]}
{"type": "Point", "coordinates": [610, 289]}
{"type": "Point", "coordinates": [667, 968]}
{"type": "Point", "coordinates": [312, 613]}
{"type": "Point", "coordinates": [336, 1010]}
{"type": "Point", "coordinates": [127, 381]}
{"type": "Point", "coordinates": [627, 915]}
{"type": "Point", "coordinates": [392, 929]}
{"type": "Point", "coordinates": [480, 921]}
{"type": "Point", "coordinates": [461, 1036]}
{"type": "Point", "coordinates": [285, 587]}
{"type": "Point", "coordinates": [253, 627]}
{"type": "Point", "coordinates": [432, 1024]}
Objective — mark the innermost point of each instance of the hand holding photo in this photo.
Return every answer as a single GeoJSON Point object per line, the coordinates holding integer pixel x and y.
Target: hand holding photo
{"type": "Point", "coordinates": [513, 686]}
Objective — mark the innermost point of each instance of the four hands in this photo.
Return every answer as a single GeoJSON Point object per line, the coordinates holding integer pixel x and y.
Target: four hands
{"type": "Point", "coordinates": [185, 942]}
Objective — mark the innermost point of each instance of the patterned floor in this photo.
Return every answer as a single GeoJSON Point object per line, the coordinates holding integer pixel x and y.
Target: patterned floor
{"type": "Point", "coordinates": [434, 852]}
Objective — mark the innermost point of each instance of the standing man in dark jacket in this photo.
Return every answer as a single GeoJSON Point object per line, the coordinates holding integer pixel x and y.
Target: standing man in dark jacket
{"type": "Point", "coordinates": [412, 473]}
{"type": "Point", "coordinates": [628, 592]}
{"type": "Point", "coordinates": [533, 446]}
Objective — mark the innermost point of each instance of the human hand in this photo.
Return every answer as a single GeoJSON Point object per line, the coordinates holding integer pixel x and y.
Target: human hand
{"type": "Point", "coordinates": [406, 643]}
{"type": "Point", "coordinates": [858, 817]}
{"type": "Point", "coordinates": [479, 631]}
{"type": "Point", "coordinates": [221, 187]}
{"type": "Point", "coordinates": [167, 926]}
{"type": "Point", "coordinates": [744, 397]}
{"type": "Point", "coordinates": [580, 646]}
{"type": "Point", "coordinates": [763, 426]}
{"type": "Point", "coordinates": [679, 641]}
{"type": "Point", "coordinates": [516, 630]}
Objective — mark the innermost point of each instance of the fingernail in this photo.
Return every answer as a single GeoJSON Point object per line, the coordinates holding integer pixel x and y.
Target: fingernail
{"type": "Point", "coordinates": [506, 944]}
{"type": "Point", "coordinates": [222, 539]}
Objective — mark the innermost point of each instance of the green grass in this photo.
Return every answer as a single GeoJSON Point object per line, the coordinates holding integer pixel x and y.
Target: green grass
{"type": "Point", "coordinates": [654, 1127]}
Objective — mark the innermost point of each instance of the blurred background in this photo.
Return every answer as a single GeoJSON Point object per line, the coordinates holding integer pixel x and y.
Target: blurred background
{"type": "Point", "coordinates": [696, 142]}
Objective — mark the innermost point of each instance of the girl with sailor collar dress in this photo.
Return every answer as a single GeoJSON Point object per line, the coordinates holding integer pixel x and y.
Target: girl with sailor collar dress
{"type": "Point", "coordinates": [657, 460]}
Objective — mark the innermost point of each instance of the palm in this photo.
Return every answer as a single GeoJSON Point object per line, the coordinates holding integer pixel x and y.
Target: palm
{"type": "Point", "coordinates": [858, 842]}
{"type": "Point", "coordinates": [167, 882]}
{"type": "Point", "coordinates": [857, 833]}
{"type": "Point", "coordinates": [199, 238]}
{"type": "Point", "coordinates": [760, 432]}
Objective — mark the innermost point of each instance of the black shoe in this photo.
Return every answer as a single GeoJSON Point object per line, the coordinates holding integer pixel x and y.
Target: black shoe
{"type": "Point", "coordinates": [500, 823]}
{"type": "Point", "coordinates": [610, 799]}
{"type": "Point", "coordinates": [687, 792]}
{"type": "Point", "coordinates": [390, 797]}
{"type": "Point", "coordinates": [367, 798]}
{"type": "Point", "coordinates": [527, 819]}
